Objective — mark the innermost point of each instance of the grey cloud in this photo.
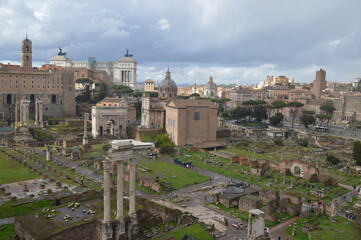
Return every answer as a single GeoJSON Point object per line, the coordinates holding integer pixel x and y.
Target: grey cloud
{"type": "Point", "coordinates": [234, 38]}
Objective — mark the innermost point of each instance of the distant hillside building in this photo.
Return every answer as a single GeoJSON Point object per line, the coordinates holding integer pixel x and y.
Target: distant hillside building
{"type": "Point", "coordinates": [191, 121]}
{"type": "Point", "coordinates": [53, 85]}
{"type": "Point", "coordinates": [121, 72]}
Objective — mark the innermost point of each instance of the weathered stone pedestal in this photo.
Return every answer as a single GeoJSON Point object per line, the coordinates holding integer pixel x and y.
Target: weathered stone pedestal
{"type": "Point", "coordinates": [107, 231]}
{"type": "Point", "coordinates": [120, 230]}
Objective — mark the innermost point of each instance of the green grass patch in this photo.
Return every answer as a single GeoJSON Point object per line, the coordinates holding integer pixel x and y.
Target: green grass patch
{"type": "Point", "coordinates": [66, 129]}
{"type": "Point", "coordinates": [195, 230]}
{"type": "Point", "coordinates": [13, 209]}
{"type": "Point", "coordinates": [13, 172]}
{"type": "Point", "coordinates": [97, 150]}
{"type": "Point", "coordinates": [326, 229]}
{"type": "Point", "coordinates": [7, 231]}
{"type": "Point", "coordinates": [41, 134]}
{"type": "Point", "coordinates": [175, 176]}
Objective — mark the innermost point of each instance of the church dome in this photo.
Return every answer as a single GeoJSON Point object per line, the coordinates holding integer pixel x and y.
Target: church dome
{"type": "Point", "coordinates": [210, 84]}
{"type": "Point", "coordinates": [168, 81]}
{"type": "Point", "coordinates": [127, 60]}
{"type": "Point", "coordinates": [167, 88]}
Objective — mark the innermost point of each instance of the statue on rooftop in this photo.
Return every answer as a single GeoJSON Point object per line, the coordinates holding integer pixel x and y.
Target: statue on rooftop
{"type": "Point", "coordinates": [127, 53]}
{"type": "Point", "coordinates": [61, 53]}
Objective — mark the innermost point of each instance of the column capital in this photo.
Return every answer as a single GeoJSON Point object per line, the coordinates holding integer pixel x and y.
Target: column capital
{"type": "Point", "coordinates": [106, 165]}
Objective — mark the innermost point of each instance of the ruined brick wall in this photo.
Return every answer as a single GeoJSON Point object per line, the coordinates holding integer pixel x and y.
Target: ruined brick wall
{"type": "Point", "coordinates": [151, 183]}
{"type": "Point", "coordinates": [268, 195]}
{"type": "Point", "coordinates": [167, 214]}
{"type": "Point", "coordinates": [248, 202]}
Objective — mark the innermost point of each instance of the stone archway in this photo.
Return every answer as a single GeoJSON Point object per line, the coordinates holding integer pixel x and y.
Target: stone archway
{"type": "Point", "coordinates": [110, 128]}
{"type": "Point", "coordinates": [101, 131]}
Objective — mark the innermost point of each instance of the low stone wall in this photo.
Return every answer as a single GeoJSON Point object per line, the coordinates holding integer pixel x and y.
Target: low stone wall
{"type": "Point", "coordinates": [134, 132]}
{"type": "Point", "coordinates": [34, 231]}
{"type": "Point", "coordinates": [68, 144]}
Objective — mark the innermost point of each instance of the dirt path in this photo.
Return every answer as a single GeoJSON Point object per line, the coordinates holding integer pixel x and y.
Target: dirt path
{"type": "Point", "coordinates": [279, 230]}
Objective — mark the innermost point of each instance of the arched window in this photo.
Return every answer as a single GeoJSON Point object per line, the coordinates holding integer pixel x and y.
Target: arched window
{"type": "Point", "coordinates": [8, 99]}
{"type": "Point", "coordinates": [53, 99]}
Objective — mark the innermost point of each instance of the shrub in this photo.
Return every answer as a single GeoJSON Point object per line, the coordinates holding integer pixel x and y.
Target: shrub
{"type": "Point", "coordinates": [302, 142]}
{"type": "Point", "coordinates": [278, 141]}
{"type": "Point", "coordinates": [106, 147]}
{"type": "Point", "coordinates": [333, 160]}
{"type": "Point", "coordinates": [163, 142]}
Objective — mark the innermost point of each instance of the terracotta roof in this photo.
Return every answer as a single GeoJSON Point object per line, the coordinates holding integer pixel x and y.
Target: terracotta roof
{"type": "Point", "coordinates": [111, 100]}
{"type": "Point", "coordinates": [9, 66]}
{"type": "Point", "coordinates": [184, 103]}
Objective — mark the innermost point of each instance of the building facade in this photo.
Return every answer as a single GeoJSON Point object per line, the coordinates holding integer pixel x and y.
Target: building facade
{"type": "Point", "coordinates": [153, 109]}
{"type": "Point", "coordinates": [149, 86]}
{"type": "Point", "coordinates": [121, 72]}
{"type": "Point", "coordinates": [54, 86]}
{"type": "Point", "coordinates": [190, 121]}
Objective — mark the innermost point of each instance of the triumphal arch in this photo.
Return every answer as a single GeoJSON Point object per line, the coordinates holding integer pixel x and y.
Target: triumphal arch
{"type": "Point", "coordinates": [109, 117]}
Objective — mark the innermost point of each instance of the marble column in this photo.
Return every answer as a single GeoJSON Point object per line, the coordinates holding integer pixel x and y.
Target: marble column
{"type": "Point", "coordinates": [16, 111]}
{"type": "Point", "coordinates": [36, 112]}
{"type": "Point", "coordinates": [120, 188]}
{"type": "Point", "coordinates": [21, 113]}
{"type": "Point", "coordinates": [106, 189]}
{"type": "Point", "coordinates": [132, 212]}
{"type": "Point", "coordinates": [48, 154]}
{"type": "Point", "coordinates": [85, 137]}
{"type": "Point", "coordinates": [27, 115]}
{"type": "Point", "coordinates": [41, 114]}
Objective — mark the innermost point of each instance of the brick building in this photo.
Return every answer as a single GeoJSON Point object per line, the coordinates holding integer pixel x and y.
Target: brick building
{"type": "Point", "coordinates": [190, 121]}
{"type": "Point", "coordinates": [51, 84]}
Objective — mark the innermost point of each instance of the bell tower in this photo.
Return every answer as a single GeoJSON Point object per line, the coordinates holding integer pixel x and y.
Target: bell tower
{"type": "Point", "coordinates": [26, 54]}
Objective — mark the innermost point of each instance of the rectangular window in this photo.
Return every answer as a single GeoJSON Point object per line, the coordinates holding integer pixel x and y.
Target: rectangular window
{"type": "Point", "coordinates": [196, 116]}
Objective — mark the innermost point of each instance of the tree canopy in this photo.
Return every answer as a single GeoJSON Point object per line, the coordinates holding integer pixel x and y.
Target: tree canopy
{"type": "Point", "coordinates": [307, 118]}
{"type": "Point", "coordinates": [276, 119]}
{"type": "Point", "coordinates": [240, 113]}
{"type": "Point", "coordinates": [259, 113]}
{"type": "Point", "coordinates": [253, 102]}
{"type": "Point", "coordinates": [84, 81]}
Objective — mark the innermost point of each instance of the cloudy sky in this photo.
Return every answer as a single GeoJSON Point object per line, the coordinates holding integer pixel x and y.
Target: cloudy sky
{"type": "Point", "coordinates": [236, 41]}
